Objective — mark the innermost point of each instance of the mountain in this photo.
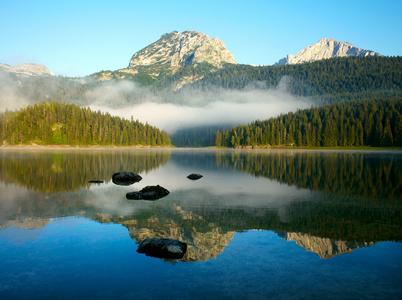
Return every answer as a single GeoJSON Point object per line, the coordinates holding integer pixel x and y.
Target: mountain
{"type": "Point", "coordinates": [27, 70]}
{"type": "Point", "coordinates": [325, 48]}
{"type": "Point", "coordinates": [182, 49]}
{"type": "Point", "coordinates": [188, 56]}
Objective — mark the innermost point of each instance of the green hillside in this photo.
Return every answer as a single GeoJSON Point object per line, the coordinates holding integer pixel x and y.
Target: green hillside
{"type": "Point", "coordinates": [352, 123]}
{"type": "Point", "coordinates": [329, 80]}
{"type": "Point", "coordinates": [67, 124]}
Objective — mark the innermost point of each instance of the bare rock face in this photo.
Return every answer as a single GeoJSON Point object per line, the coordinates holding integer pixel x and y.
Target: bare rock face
{"type": "Point", "coordinates": [4, 67]}
{"type": "Point", "coordinates": [181, 49]}
{"type": "Point", "coordinates": [27, 70]}
{"type": "Point", "coordinates": [325, 48]}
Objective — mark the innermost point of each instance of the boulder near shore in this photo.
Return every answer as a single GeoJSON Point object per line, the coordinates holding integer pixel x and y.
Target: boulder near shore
{"type": "Point", "coordinates": [125, 178]}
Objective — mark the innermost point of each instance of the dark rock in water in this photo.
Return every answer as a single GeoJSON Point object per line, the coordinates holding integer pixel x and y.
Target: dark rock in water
{"type": "Point", "coordinates": [95, 181]}
{"type": "Point", "coordinates": [148, 193]}
{"type": "Point", "coordinates": [125, 178]}
{"type": "Point", "coordinates": [163, 248]}
{"type": "Point", "coordinates": [194, 176]}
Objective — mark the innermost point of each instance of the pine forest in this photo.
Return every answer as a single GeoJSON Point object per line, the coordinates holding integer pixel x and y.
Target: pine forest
{"type": "Point", "coordinates": [68, 124]}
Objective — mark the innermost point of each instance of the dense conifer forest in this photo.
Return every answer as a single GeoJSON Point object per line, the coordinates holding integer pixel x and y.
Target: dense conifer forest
{"type": "Point", "coordinates": [67, 124]}
{"type": "Point", "coordinates": [353, 123]}
{"type": "Point", "coordinates": [329, 80]}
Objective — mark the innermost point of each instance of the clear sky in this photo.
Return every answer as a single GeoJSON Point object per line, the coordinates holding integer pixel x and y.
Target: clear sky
{"type": "Point", "coordinates": [78, 38]}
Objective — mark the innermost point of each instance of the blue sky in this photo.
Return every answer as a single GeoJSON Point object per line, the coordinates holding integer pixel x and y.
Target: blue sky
{"type": "Point", "coordinates": [78, 38]}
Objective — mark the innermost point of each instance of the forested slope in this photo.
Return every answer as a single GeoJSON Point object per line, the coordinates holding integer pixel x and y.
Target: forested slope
{"type": "Point", "coordinates": [67, 124]}
{"type": "Point", "coordinates": [352, 123]}
{"type": "Point", "coordinates": [329, 80]}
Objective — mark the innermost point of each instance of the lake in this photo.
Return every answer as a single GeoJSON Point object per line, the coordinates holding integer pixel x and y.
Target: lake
{"type": "Point", "coordinates": [259, 224]}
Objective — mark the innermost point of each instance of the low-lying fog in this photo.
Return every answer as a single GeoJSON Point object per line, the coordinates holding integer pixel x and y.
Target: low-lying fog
{"type": "Point", "coordinates": [199, 108]}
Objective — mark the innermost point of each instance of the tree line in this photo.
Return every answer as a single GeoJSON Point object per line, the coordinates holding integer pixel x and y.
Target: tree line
{"type": "Point", "coordinates": [54, 123]}
{"type": "Point", "coordinates": [351, 123]}
{"type": "Point", "coordinates": [329, 80]}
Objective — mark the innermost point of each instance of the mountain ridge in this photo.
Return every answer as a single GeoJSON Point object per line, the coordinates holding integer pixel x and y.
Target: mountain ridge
{"type": "Point", "coordinates": [182, 49]}
{"type": "Point", "coordinates": [27, 69]}
{"type": "Point", "coordinates": [324, 49]}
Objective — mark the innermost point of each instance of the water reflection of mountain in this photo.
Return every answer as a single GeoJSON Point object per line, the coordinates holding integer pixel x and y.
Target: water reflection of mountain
{"type": "Point", "coordinates": [69, 170]}
{"type": "Point", "coordinates": [207, 213]}
{"type": "Point", "coordinates": [208, 229]}
{"type": "Point", "coordinates": [323, 247]}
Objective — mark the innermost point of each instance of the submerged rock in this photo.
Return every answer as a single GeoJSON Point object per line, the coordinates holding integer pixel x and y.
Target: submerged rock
{"type": "Point", "coordinates": [163, 248]}
{"type": "Point", "coordinates": [125, 178]}
{"type": "Point", "coordinates": [194, 176]}
{"type": "Point", "coordinates": [148, 193]}
{"type": "Point", "coordinates": [95, 181]}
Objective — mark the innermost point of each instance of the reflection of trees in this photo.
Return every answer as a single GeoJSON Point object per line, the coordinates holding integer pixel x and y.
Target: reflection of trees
{"type": "Point", "coordinates": [71, 170]}
{"type": "Point", "coordinates": [349, 173]}
{"type": "Point", "coordinates": [325, 221]}
{"type": "Point", "coordinates": [205, 220]}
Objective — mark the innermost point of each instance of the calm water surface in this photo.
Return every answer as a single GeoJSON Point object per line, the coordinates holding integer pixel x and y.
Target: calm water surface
{"type": "Point", "coordinates": [259, 224]}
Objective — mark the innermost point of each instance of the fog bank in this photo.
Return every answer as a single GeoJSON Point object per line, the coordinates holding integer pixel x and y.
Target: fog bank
{"type": "Point", "coordinates": [9, 98]}
{"type": "Point", "coordinates": [208, 107]}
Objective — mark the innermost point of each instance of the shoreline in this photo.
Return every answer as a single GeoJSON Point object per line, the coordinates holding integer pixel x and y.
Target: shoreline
{"type": "Point", "coordinates": [258, 148]}
{"type": "Point", "coordinates": [69, 147]}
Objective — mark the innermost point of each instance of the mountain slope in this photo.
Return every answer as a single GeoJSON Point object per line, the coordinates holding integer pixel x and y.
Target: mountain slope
{"type": "Point", "coordinates": [181, 49]}
{"type": "Point", "coordinates": [27, 70]}
{"type": "Point", "coordinates": [325, 48]}
{"type": "Point", "coordinates": [187, 56]}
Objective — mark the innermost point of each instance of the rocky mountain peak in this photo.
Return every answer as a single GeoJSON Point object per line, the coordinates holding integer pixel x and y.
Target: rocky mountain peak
{"type": "Point", "coordinates": [325, 48]}
{"type": "Point", "coordinates": [176, 49]}
{"type": "Point", "coordinates": [30, 69]}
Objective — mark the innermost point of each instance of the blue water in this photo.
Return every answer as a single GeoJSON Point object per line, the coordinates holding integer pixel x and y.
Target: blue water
{"type": "Point", "coordinates": [81, 257]}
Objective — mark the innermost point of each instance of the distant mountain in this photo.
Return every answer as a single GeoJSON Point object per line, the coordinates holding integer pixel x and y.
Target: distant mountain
{"type": "Point", "coordinates": [325, 48]}
{"type": "Point", "coordinates": [27, 70]}
{"type": "Point", "coordinates": [170, 54]}
{"type": "Point", "coordinates": [181, 49]}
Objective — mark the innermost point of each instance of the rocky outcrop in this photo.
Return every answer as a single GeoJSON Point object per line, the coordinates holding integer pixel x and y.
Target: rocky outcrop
{"type": "Point", "coordinates": [325, 48]}
{"type": "Point", "coordinates": [125, 178]}
{"type": "Point", "coordinates": [194, 176]}
{"type": "Point", "coordinates": [27, 70]}
{"type": "Point", "coordinates": [181, 49]}
{"type": "Point", "coordinates": [148, 193]}
{"type": "Point", "coordinates": [163, 248]}
{"type": "Point", "coordinates": [323, 247]}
